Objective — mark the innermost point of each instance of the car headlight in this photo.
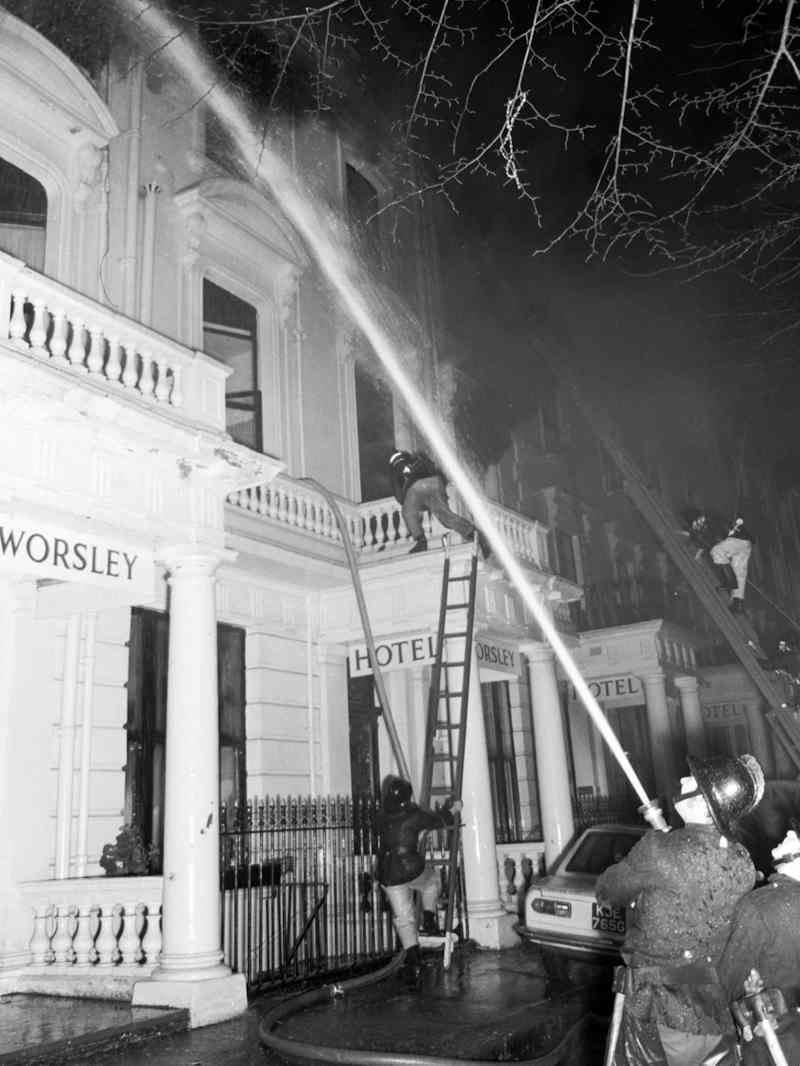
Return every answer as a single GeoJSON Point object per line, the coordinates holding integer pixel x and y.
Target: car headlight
{"type": "Point", "coordinates": [559, 908]}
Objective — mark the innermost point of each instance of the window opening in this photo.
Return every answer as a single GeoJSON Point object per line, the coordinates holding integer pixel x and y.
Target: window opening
{"type": "Point", "coordinates": [23, 215]}
{"type": "Point", "coordinates": [147, 723]}
{"type": "Point", "coordinates": [230, 331]}
{"type": "Point", "coordinates": [375, 418]}
{"type": "Point", "coordinates": [502, 761]}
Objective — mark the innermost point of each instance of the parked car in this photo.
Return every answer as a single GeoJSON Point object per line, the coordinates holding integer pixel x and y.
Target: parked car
{"type": "Point", "coordinates": [561, 912]}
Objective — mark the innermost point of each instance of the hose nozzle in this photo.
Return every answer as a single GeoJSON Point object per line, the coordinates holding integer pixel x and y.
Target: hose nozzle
{"type": "Point", "coordinates": [652, 813]}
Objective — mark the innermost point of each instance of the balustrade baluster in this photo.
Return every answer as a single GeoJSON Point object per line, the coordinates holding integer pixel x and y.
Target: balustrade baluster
{"type": "Point", "coordinates": [63, 952]}
{"type": "Point", "coordinates": [76, 352]}
{"type": "Point", "coordinates": [114, 361]}
{"type": "Point", "coordinates": [162, 384]}
{"type": "Point", "coordinates": [40, 941]}
{"type": "Point", "coordinates": [38, 334]}
{"type": "Point", "coordinates": [130, 374]}
{"type": "Point", "coordinates": [129, 946]}
{"type": "Point", "coordinates": [97, 343]}
{"type": "Point", "coordinates": [58, 340]}
{"type": "Point", "coordinates": [17, 326]}
{"type": "Point", "coordinates": [176, 399]}
{"type": "Point", "coordinates": [146, 379]}
{"type": "Point", "coordinates": [151, 941]}
{"type": "Point", "coordinates": [106, 942]}
{"type": "Point", "coordinates": [83, 944]}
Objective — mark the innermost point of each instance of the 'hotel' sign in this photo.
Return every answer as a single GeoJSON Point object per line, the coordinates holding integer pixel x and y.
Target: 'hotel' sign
{"type": "Point", "coordinates": [64, 555]}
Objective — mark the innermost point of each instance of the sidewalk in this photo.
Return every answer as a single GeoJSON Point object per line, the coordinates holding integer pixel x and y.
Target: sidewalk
{"type": "Point", "coordinates": [488, 1005]}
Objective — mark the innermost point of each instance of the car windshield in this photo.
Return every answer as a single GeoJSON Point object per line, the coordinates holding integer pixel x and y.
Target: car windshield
{"type": "Point", "coordinates": [598, 850]}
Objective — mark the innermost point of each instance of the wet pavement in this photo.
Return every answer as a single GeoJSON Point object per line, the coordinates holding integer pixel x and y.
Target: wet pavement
{"type": "Point", "coordinates": [497, 1006]}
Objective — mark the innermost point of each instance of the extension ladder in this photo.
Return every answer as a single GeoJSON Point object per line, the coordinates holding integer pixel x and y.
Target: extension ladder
{"type": "Point", "coordinates": [446, 724]}
{"type": "Point", "coordinates": [735, 628]}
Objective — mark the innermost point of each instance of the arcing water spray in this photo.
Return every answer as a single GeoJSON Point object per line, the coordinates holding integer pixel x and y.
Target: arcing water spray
{"type": "Point", "coordinates": [342, 272]}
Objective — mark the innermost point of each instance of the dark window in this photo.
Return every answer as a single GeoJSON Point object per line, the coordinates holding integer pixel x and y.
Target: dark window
{"type": "Point", "coordinates": [561, 553]}
{"type": "Point", "coordinates": [362, 205]}
{"type": "Point", "coordinates": [502, 761]}
{"type": "Point", "coordinates": [630, 726]}
{"type": "Point", "coordinates": [230, 331]}
{"type": "Point", "coordinates": [375, 414]}
{"type": "Point", "coordinates": [599, 850]}
{"type": "Point", "coordinates": [364, 765]}
{"type": "Point", "coordinates": [23, 215]}
{"type": "Point", "coordinates": [147, 722]}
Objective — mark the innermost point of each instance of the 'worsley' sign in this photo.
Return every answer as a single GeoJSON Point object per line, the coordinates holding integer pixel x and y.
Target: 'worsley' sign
{"type": "Point", "coordinates": [59, 554]}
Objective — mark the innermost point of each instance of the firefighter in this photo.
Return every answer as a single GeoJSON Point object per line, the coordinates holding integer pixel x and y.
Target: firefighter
{"type": "Point", "coordinates": [682, 887]}
{"type": "Point", "coordinates": [419, 486]}
{"type": "Point", "coordinates": [729, 546]}
{"type": "Point", "coordinates": [765, 937]}
{"type": "Point", "coordinates": [402, 870]}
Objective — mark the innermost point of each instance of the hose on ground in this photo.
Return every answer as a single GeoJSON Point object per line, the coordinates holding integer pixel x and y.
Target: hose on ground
{"type": "Point", "coordinates": [301, 1051]}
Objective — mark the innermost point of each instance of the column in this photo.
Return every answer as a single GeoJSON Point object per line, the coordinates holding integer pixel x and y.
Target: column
{"type": "Point", "coordinates": [661, 739]}
{"type": "Point", "coordinates": [489, 922]}
{"type": "Point", "coordinates": [552, 767]}
{"type": "Point", "coordinates": [66, 746]}
{"type": "Point", "coordinates": [693, 723]}
{"type": "Point", "coordinates": [760, 740]}
{"type": "Point", "coordinates": [190, 972]}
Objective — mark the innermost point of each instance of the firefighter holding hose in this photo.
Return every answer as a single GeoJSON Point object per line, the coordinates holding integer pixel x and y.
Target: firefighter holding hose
{"type": "Point", "coordinates": [765, 940]}
{"type": "Point", "coordinates": [681, 888]}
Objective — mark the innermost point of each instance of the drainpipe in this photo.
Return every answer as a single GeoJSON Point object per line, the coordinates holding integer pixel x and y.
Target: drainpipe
{"type": "Point", "coordinates": [132, 193]}
{"type": "Point", "coordinates": [151, 191]}
{"type": "Point", "coordinates": [86, 742]}
{"type": "Point", "coordinates": [66, 751]}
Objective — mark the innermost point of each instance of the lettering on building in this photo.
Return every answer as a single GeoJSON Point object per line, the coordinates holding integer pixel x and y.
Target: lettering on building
{"type": "Point", "coordinates": [616, 691]}
{"type": "Point", "coordinates": [494, 655]}
{"type": "Point", "coordinates": [724, 713]}
{"type": "Point", "coordinates": [393, 654]}
{"type": "Point", "coordinates": [63, 555]}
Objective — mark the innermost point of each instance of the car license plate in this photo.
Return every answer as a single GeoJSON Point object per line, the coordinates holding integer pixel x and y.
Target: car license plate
{"type": "Point", "coordinates": [607, 919]}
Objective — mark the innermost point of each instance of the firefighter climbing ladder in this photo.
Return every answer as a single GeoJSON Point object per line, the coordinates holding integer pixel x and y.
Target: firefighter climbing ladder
{"type": "Point", "coordinates": [735, 628]}
{"type": "Point", "coordinates": [446, 726]}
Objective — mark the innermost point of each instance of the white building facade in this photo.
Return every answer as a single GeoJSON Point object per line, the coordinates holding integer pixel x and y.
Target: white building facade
{"type": "Point", "coordinates": [180, 624]}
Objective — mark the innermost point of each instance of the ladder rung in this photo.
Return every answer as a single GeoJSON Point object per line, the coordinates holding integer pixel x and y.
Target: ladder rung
{"type": "Point", "coordinates": [450, 695]}
{"type": "Point", "coordinates": [459, 577]}
{"type": "Point", "coordinates": [448, 725]}
{"type": "Point", "coordinates": [443, 756]}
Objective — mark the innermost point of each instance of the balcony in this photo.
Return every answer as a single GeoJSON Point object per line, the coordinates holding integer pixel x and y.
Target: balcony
{"type": "Point", "coordinates": [75, 336]}
{"type": "Point", "coordinates": [295, 512]}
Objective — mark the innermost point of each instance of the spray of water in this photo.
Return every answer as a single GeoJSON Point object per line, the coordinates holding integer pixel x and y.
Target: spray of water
{"type": "Point", "coordinates": [341, 270]}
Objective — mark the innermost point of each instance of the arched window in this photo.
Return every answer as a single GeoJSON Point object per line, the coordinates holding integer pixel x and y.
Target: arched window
{"type": "Point", "coordinates": [23, 215]}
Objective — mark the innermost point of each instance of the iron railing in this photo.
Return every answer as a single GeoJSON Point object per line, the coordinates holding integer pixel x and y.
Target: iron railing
{"type": "Point", "coordinates": [300, 896]}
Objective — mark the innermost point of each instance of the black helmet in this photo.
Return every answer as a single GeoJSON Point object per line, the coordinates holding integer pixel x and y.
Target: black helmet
{"type": "Point", "coordinates": [732, 786]}
{"type": "Point", "coordinates": [691, 514]}
{"type": "Point", "coordinates": [399, 457]}
{"type": "Point", "coordinates": [396, 794]}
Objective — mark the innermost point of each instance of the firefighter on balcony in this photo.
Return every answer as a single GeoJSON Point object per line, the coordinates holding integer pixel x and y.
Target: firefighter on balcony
{"type": "Point", "coordinates": [419, 486]}
{"type": "Point", "coordinates": [785, 664]}
{"type": "Point", "coordinates": [765, 937]}
{"type": "Point", "coordinates": [681, 888]}
{"type": "Point", "coordinates": [729, 546]}
{"type": "Point", "coordinates": [402, 870]}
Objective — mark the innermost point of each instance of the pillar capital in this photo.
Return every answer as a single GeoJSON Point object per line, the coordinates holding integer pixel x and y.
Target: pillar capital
{"type": "Point", "coordinates": [195, 559]}
{"type": "Point", "coordinates": [537, 651]}
{"type": "Point", "coordinates": [655, 676]}
{"type": "Point", "coordinates": [687, 683]}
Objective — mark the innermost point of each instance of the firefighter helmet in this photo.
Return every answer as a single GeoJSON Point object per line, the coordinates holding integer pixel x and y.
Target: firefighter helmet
{"type": "Point", "coordinates": [399, 457]}
{"type": "Point", "coordinates": [396, 794]}
{"type": "Point", "coordinates": [732, 786]}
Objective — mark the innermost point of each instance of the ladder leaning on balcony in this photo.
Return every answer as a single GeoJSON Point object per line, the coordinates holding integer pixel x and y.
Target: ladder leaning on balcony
{"type": "Point", "coordinates": [446, 725]}
{"type": "Point", "coordinates": [736, 628]}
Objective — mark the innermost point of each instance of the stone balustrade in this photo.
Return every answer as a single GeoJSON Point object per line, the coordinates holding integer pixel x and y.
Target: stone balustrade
{"type": "Point", "coordinates": [63, 329]}
{"type": "Point", "coordinates": [377, 526]}
{"type": "Point", "coordinates": [95, 924]}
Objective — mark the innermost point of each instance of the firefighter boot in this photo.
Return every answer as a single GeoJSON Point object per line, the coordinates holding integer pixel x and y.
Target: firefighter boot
{"type": "Point", "coordinates": [420, 545]}
{"type": "Point", "coordinates": [412, 964]}
{"type": "Point", "coordinates": [726, 576]}
{"type": "Point", "coordinates": [429, 926]}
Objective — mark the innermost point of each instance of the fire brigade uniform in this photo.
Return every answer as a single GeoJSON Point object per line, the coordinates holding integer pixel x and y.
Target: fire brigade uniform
{"type": "Point", "coordinates": [765, 936]}
{"type": "Point", "coordinates": [682, 887]}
